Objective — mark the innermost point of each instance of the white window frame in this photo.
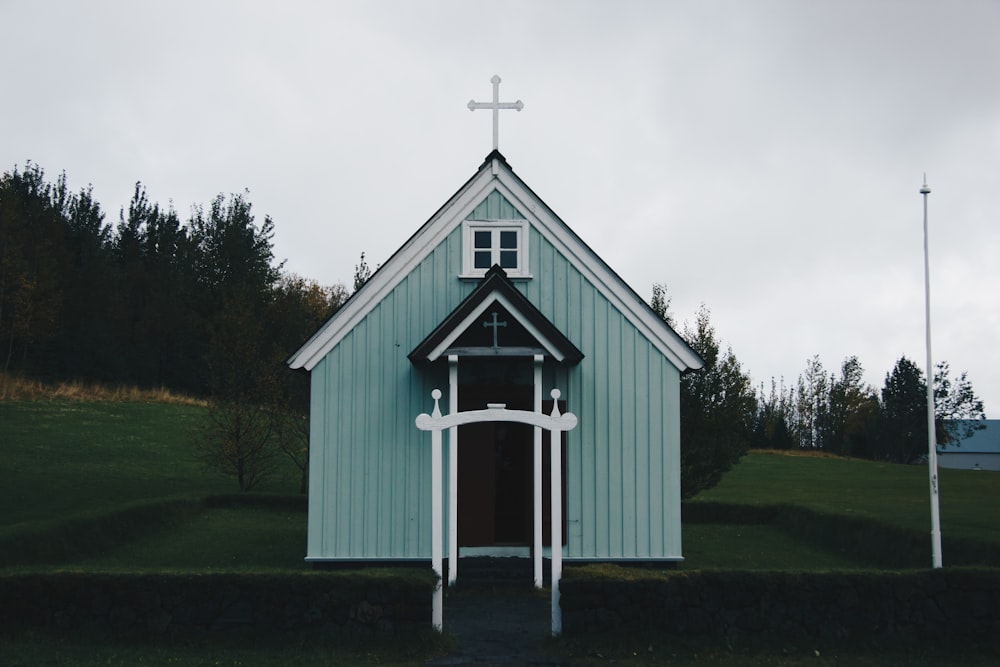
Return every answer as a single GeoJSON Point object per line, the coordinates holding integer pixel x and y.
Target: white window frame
{"type": "Point", "coordinates": [469, 229]}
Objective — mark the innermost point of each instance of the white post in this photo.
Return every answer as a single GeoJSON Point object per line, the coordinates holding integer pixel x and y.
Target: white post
{"type": "Point", "coordinates": [556, 503]}
{"type": "Point", "coordinates": [437, 609]}
{"type": "Point", "coordinates": [931, 431]}
{"type": "Point", "coordinates": [537, 482]}
{"type": "Point", "coordinates": [452, 472]}
{"type": "Point", "coordinates": [438, 606]}
{"type": "Point", "coordinates": [554, 423]}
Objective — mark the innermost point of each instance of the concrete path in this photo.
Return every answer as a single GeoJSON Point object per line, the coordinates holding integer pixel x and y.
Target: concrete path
{"type": "Point", "coordinates": [498, 627]}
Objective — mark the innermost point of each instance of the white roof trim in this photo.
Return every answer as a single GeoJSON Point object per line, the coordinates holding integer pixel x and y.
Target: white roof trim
{"type": "Point", "coordinates": [497, 176]}
{"type": "Point", "coordinates": [383, 281]}
{"type": "Point", "coordinates": [596, 270]}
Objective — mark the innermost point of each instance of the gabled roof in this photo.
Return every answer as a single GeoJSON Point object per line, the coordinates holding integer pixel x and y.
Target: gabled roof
{"type": "Point", "coordinates": [496, 174]}
{"type": "Point", "coordinates": [530, 332]}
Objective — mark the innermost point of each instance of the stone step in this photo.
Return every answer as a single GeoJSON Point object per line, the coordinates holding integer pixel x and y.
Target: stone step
{"type": "Point", "coordinates": [490, 571]}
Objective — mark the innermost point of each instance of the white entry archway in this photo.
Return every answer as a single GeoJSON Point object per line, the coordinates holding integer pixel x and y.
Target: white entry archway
{"type": "Point", "coordinates": [435, 422]}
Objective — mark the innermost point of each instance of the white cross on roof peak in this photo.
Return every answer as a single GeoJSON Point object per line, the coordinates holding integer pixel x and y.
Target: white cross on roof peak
{"type": "Point", "coordinates": [496, 105]}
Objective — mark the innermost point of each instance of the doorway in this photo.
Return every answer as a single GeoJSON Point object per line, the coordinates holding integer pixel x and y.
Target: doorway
{"type": "Point", "coordinates": [495, 471]}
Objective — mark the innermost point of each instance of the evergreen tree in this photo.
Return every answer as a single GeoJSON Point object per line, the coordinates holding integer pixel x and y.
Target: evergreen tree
{"type": "Point", "coordinates": [717, 408]}
{"type": "Point", "coordinates": [236, 277]}
{"type": "Point", "coordinates": [812, 400]}
{"type": "Point", "coordinates": [33, 253]}
{"type": "Point", "coordinates": [903, 423]}
{"type": "Point", "coordinates": [86, 346]}
{"type": "Point", "coordinates": [853, 410]}
{"type": "Point", "coordinates": [774, 420]}
{"type": "Point", "coordinates": [660, 303]}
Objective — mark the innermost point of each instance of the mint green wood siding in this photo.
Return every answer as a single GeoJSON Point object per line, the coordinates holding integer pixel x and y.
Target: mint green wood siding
{"type": "Point", "coordinates": [622, 485]}
{"type": "Point", "coordinates": [370, 466]}
{"type": "Point", "coordinates": [495, 207]}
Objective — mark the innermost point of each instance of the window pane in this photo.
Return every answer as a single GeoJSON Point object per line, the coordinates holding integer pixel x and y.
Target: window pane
{"type": "Point", "coordinates": [481, 260]}
{"type": "Point", "coordinates": [484, 239]}
{"type": "Point", "coordinates": [508, 239]}
{"type": "Point", "coordinates": [508, 259]}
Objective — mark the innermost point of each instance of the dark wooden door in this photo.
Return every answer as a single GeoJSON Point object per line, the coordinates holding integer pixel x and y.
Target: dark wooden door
{"type": "Point", "coordinates": [494, 470]}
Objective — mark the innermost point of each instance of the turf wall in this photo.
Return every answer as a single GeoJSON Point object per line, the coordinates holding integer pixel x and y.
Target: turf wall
{"type": "Point", "coordinates": [955, 603]}
{"type": "Point", "coordinates": [176, 606]}
{"type": "Point", "coordinates": [882, 545]}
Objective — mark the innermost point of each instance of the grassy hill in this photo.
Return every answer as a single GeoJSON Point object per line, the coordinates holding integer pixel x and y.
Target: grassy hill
{"type": "Point", "coordinates": [98, 482]}
{"type": "Point", "coordinates": [851, 513]}
{"type": "Point", "coordinates": [115, 484]}
{"type": "Point", "coordinates": [893, 494]}
{"type": "Point", "coordinates": [86, 480]}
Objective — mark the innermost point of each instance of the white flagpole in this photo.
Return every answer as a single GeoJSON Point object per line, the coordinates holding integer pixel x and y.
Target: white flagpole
{"type": "Point", "coordinates": [931, 432]}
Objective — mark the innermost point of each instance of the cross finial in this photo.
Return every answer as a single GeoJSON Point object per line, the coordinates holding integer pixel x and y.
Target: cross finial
{"type": "Point", "coordinates": [496, 105]}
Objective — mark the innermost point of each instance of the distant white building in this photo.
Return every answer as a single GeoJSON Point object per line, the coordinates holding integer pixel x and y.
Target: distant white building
{"type": "Point", "coordinates": [981, 451]}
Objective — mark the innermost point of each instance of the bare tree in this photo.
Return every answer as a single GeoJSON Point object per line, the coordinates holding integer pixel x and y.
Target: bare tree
{"type": "Point", "coordinates": [239, 439]}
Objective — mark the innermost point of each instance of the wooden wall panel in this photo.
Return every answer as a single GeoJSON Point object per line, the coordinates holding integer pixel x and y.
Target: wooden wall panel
{"type": "Point", "coordinates": [370, 466]}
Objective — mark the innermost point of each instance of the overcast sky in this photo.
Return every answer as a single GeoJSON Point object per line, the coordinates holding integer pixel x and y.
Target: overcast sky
{"type": "Point", "coordinates": [763, 158]}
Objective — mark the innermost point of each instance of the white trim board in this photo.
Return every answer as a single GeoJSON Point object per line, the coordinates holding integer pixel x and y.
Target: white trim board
{"type": "Point", "coordinates": [496, 175]}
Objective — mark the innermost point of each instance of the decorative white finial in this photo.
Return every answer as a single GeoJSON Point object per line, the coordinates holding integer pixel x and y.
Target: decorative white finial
{"type": "Point", "coordinates": [496, 105]}
{"type": "Point", "coordinates": [436, 395]}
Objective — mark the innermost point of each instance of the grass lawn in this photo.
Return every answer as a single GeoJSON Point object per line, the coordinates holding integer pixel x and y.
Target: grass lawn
{"type": "Point", "coordinates": [886, 492]}
{"type": "Point", "coordinates": [62, 456]}
{"type": "Point", "coordinates": [716, 546]}
{"type": "Point", "coordinates": [217, 539]}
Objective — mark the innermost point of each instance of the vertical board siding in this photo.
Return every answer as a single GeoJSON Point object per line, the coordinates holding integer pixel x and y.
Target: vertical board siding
{"type": "Point", "coordinates": [318, 477]}
{"type": "Point", "coordinates": [495, 207]}
{"type": "Point", "coordinates": [622, 479]}
{"type": "Point", "coordinates": [370, 466]}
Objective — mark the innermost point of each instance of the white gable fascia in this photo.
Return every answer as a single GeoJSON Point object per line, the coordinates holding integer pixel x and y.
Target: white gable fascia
{"type": "Point", "coordinates": [596, 270]}
{"type": "Point", "coordinates": [491, 299]}
{"type": "Point", "coordinates": [436, 230]}
{"type": "Point", "coordinates": [383, 281]}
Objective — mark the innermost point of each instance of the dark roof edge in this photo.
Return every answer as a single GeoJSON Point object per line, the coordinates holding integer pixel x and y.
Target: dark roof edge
{"type": "Point", "coordinates": [496, 280]}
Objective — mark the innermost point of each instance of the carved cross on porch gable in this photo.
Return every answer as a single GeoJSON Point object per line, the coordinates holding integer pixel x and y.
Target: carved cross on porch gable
{"type": "Point", "coordinates": [496, 105]}
{"type": "Point", "coordinates": [496, 326]}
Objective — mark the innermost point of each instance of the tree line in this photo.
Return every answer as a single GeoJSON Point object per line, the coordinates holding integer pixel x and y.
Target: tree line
{"type": "Point", "coordinates": [723, 415]}
{"type": "Point", "coordinates": [200, 306]}
{"type": "Point", "coordinates": [839, 413]}
{"type": "Point", "coordinates": [149, 301]}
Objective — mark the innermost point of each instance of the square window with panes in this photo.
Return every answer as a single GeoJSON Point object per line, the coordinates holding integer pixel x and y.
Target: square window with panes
{"type": "Point", "coordinates": [487, 245]}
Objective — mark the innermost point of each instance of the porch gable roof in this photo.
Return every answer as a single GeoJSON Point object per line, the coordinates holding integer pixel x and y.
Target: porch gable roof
{"type": "Point", "coordinates": [496, 289]}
